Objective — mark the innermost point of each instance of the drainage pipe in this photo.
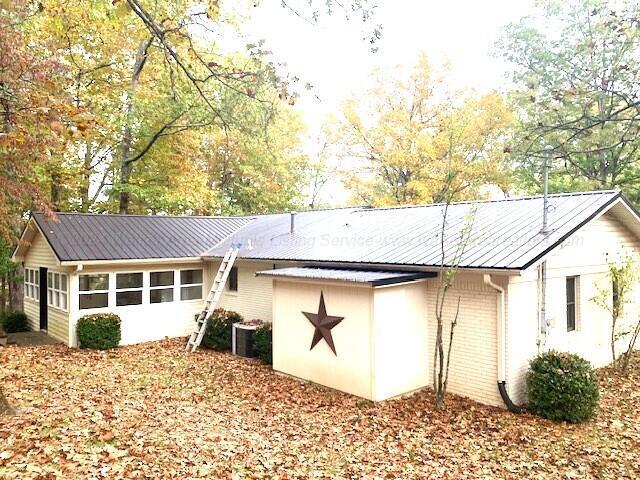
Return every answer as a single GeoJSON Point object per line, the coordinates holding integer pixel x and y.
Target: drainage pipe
{"type": "Point", "coordinates": [501, 334]}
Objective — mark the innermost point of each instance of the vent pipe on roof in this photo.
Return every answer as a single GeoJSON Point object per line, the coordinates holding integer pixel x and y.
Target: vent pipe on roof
{"type": "Point", "coordinates": [545, 204]}
{"type": "Point", "coordinates": [293, 222]}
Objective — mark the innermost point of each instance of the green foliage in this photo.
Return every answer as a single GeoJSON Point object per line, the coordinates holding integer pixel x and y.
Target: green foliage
{"type": "Point", "coordinates": [99, 331]}
{"type": "Point", "coordinates": [12, 322]}
{"type": "Point", "coordinates": [263, 343]}
{"type": "Point", "coordinates": [576, 91]}
{"type": "Point", "coordinates": [562, 386]}
{"type": "Point", "coordinates": [219, 329]}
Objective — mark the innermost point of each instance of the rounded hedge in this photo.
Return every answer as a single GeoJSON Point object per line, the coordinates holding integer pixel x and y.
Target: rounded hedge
{"type": "Point", "coordinates": [562, 386]}
{"type": "Point", "coordinates": [13, 322]}
{"type": "Point", "coordinates": [217, 336]}
{"type": "Point", "coordinates": [262, 343]}
{"type": "Point", "coordinates": [99, 331]}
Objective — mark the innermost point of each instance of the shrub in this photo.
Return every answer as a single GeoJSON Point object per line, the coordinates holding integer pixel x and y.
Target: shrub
{"type": "Point", "coordinates": [562, 386]}
{"type": "Point", "coordinates": [12, 322]}
{"type": "Point", "coordinates": [262, 343]}
{"type": "Point", "coordinates": [218, 333]}
{"type": "Point", "coordinates": [99, 331]}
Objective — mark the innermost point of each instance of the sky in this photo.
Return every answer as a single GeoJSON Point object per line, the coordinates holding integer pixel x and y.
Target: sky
{"type": "Point", "coordinates": [333, 57]}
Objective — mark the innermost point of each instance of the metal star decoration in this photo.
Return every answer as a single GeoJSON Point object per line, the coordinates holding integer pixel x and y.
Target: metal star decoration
{"type": "Point", "coordinates": [323, 324]}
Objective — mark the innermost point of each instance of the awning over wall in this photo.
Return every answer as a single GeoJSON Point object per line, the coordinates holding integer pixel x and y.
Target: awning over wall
{"type": "Point", "coordinates": [375, 278]}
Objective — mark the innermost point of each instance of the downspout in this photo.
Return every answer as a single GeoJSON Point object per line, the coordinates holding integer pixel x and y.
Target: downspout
{"type": "Point", "coordinates": [501, 333]}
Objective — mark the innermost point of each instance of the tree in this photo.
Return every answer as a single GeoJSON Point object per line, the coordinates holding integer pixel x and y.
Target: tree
{"type": "Point", "coordinates": [613, 297]}
{"type": "Point", "coordinates": [447, 272]}
{"type": "Point", "coordinates": [577, 89]}
{"type": "Point", "coordinates": [407, 130]}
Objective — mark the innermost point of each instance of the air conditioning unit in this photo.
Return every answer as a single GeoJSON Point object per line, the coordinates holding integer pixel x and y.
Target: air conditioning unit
{"type": "Point", "coordinates": [242, 338]}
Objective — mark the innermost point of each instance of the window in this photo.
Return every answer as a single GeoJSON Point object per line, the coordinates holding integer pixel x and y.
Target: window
{"type": "Point", "coordinates": [32, 283]}
{"type": "Point", "coordinates": [128, 289]}
{"type": "Point", "coordinates": [94, 290]}
{"type": "Point", "coordinates": [233, 279]}
{"type": "Point", "coordinates": [571, 304]}
{"type": "Point", "coordinates": [57, 290]}
{"type": "Point", "coordinates": [161, 286]}
{"type": "Point", "coordinates": [190, 284]}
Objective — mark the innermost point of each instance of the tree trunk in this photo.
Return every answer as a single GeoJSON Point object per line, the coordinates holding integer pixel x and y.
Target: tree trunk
{"type": "Point", "coordinates": [127, 134]}
{"type": "Point", "coordinates": [16, 289]}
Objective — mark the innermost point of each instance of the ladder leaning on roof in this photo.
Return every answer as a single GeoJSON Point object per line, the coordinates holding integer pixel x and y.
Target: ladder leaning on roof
{"type": "Point", "coordinates": [213, 297]}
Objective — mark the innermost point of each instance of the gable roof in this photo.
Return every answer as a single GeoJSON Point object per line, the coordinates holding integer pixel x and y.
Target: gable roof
{"type": "Point", "coordinates": [505, 234]}
{"type": "Point", "coordinates": [86, 237]}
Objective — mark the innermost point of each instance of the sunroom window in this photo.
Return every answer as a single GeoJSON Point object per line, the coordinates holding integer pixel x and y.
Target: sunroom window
{"type": "Point", "coordinates": [94, 290]}
{"type": "Point", "coordinates": [191, 284]}
{"type": "Point", "coordinates": [32, 283]}
{"type": "Point", "coordinates": [161, 286]}
{"type": "Point", "coordinates": [57, 290]}
{"type": "Point", "coordinates": [128, 289]}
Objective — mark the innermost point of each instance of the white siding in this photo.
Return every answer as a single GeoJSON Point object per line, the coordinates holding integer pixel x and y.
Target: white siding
{"type": "Point", "coordinates": [39, 255]}
{"type": "Point", "coordinates": [400, 343]}
{"type": "Point", "coordinates": [349, 370]}
{"type": "Point", "coordinates": [585, 255]}
{"type": "Point", "coordinates": [253, 300]}
{"type": "Point", "coordinates": [473, 370]}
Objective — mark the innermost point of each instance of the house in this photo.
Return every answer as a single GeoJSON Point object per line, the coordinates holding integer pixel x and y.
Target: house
{"type": "Point", "coordinates": [351, 292]}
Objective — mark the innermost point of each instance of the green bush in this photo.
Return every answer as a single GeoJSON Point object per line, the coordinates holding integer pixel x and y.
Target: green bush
{"type": "Point", "coordinates": [99, 331]}
{"type": "Point", "coordinates": [562, 386]}
{"type": "Point", "coordinates": [218, 333]}
{"type": "Point", "coordinates": [262, 344]}
{"type": "Point", "coordinates": [12, 322]}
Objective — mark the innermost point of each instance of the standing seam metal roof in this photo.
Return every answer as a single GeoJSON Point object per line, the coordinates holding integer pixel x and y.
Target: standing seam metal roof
{"type": "Point", "coordinates": [504, 234]}
{"type": "Point", "coordinates": [78, 237]}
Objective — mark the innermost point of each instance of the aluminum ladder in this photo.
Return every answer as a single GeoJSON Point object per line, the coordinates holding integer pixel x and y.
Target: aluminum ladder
{"type": "Point", "coordinates": [213, 298]}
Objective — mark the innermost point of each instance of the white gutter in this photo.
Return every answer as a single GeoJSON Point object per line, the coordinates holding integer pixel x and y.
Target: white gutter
{"type": "Point", "coordinates": [501, 329]}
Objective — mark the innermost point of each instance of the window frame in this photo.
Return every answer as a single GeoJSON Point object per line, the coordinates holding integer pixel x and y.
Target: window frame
{"type": "Point", "coordinates": [32, 283]}
{"type": "Point", "coordinates": [91, 292]}
{"type": "Point", "coordinates": [571, 305]}
{"type": "Point", "coordinates": [184, 285]}
{"type": "Point", "coordinates": [233, 278]}
{"type": "Point", "coordinates": [54, 293]}
{"type": "Point", "coordinates": [117, 290]}
{"type": "Point", "coordinates": [171, 287]}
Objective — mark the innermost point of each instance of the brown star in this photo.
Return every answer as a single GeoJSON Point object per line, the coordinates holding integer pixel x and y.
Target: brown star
{"type": "Point", "coordinates": [323, 324]}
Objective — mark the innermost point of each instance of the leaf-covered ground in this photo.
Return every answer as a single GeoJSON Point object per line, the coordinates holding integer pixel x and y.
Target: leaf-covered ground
{"type": "Point", "coordinates": [152, 411]}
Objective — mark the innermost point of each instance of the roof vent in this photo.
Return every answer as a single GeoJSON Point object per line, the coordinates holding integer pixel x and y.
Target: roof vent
{"type": "Point", "coordinates": [293, 222]}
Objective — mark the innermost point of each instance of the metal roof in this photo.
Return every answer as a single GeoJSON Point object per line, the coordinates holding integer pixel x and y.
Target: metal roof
{"type": "Point", "coordinates": [78, 237]}
{"type": "Point", "coordinates": [505, 234]}
{"type": "Point", "coordinates": [374, 278]}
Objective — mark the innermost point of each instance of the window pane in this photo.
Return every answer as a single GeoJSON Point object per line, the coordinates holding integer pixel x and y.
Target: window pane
{"type": "Point", "coordinates": [161, 279]}
{"type": "Point", "coordinates": [94, 282]}
{"type": "Point", "coordinates": [190, 276]}
{"type": "Point", "coordinates": [56, 280]}
{"type": "Point", "coordinates": [129, 280]}
{"type": "Point", "coordinates": [63, 301]}
{"type": "Point", "coordinates": [233, 279]}
{"type": "Point", "coordinates": [133, 297]}
{"type": "Point", "coordinates": [63, 283]}
{"type": "Point", "coordinates": [56, 298]}
{"type": "Point", "coordinates": [36, 277]}
{"type": "Point", "coordinates": [161, 295]}
{"type": "Point", "coordinates": [37, 293]}
{"type": "Point", "coordinates": [50, 278]}
{"type": "Point", "coordinates": [191, 293]}
{"type": "Point", "coordinates": [94, 300]}
{"type": "Point", "coordinates": [571, 289]}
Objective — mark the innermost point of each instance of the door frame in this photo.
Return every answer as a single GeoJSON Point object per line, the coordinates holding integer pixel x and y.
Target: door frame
{"type": "Point", "coordinates": [44, 303]}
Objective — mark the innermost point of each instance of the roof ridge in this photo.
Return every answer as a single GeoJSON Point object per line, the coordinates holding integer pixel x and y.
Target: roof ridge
{"type": "Point", "coordinates": [498, 200]}
{"type": "Point", "coordinates": [120, 215]}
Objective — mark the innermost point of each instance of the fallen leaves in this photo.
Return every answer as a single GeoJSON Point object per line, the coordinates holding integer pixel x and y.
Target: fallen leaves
{"type": "Point", "coordinates": [153, 411]}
